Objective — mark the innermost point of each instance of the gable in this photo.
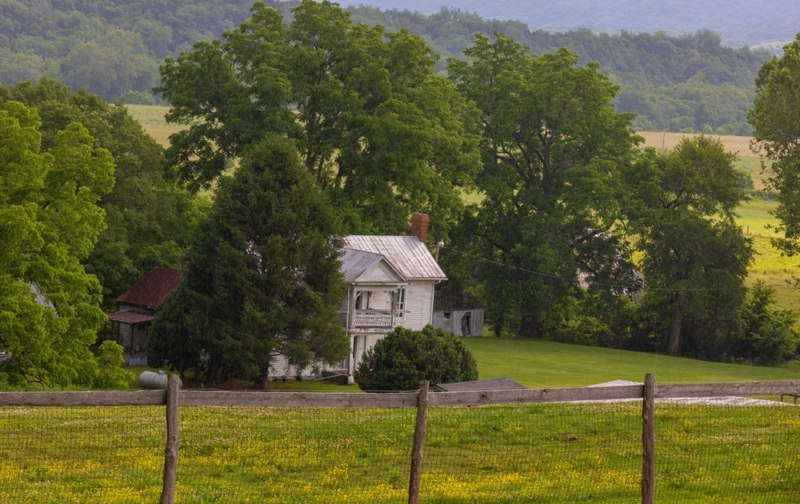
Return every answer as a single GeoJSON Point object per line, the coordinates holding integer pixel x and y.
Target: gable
{"type": "Point", "coordinates": [380, 272]}
{"type": "Point", "coordinates": [360, 266]}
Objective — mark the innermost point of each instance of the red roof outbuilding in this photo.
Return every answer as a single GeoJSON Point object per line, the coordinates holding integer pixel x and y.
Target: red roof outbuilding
{"type": "Point", "coordinates": [150, 291]}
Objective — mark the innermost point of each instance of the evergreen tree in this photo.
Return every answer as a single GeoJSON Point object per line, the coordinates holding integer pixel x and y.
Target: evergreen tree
{"type": "Point", "coordinates": [263, 277]}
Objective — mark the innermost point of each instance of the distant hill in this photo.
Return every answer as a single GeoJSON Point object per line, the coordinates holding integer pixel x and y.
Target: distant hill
{"type": "Point", "coordinates": [690, 82]}
{"type": "Point", "coordinates": [739, 22]}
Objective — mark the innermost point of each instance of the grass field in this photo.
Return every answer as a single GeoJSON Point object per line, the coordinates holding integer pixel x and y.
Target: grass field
{"type": "Point", "coordinates": [545, 364]}
{"type": "Point", "coordinates": [506, 453]}
{"type": "Point", "coordinates": [151, 117]}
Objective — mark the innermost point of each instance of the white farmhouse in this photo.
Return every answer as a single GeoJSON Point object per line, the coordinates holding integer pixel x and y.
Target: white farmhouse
{"type": "Point", "coordinates": [391, 282]}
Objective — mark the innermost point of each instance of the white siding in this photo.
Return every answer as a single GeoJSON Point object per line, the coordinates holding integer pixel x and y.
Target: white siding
{"type": "Point", "coordinates": [419, 301]}
{"type": "Point", "coordinates": [280, 368]}
{"type": "Point", "coordinates": [380, 300]}
{"type": "Point", "coordinates": [381, 273]}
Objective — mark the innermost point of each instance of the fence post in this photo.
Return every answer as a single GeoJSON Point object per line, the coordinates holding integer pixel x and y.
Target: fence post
{"type": "Point", "coordinates": [419, 440]}
{"type": "Point", "coordinates": [648, 441]}
{"type": "Point", "coordinates": [171, 451]}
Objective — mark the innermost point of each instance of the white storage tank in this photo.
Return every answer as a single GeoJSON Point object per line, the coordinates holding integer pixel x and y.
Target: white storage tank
{"type": "Point", "coordinates": [151, 380]}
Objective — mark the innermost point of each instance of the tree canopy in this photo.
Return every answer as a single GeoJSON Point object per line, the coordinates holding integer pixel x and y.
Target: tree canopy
{"type": "Point", "coordinates": [263, 275]}
{"type": "Point", "coordinates": [149, 219]}
{"type": "Point", "coordinates": [552, 151]}
{"type": "Point", "coordinates": [49, 221]}
{"type": "Point", "coordinates": [379, 132]}
{"type": "Point", "coordinates": [776, 119]}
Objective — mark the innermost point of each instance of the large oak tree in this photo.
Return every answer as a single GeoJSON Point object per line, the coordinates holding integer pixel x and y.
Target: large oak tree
{"type": "Point", "coordinates": [380, 133]}
{"type": "Point", "coordinates": [552, 151]}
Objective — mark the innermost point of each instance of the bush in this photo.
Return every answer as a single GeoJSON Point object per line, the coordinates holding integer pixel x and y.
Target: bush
{"type": "Point", "coordinates": [109, 361]}
{"type": "Point", "coordinates": [768, 335]}
{"type": "Point", "coordinates": [404, 358]}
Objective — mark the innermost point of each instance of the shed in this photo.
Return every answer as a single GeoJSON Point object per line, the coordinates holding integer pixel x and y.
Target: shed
{"type": "Point", "coordinates": [466, 322]}
{"type": "Point", "coordinates": [137, 308]}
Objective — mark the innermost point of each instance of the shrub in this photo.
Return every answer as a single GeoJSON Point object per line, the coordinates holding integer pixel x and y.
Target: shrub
{"type": "Point", "coordinates": [768, 334]}
{"type": "Point", "coordinates": [109, 360]}
{"type": "Point", "coordinates": [404, 358]}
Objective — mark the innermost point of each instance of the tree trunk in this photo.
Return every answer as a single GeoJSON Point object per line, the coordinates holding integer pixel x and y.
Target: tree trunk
{"type": "Point", "coordinates": [675, 330]}
{"type": "Point", "coordinates": [529, 328]}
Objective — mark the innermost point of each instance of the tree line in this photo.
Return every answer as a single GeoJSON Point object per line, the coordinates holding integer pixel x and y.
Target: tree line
{"type": "Point", "coordinates": [689, 83]}
{"type": "Point", "coordinates": [324, 127]}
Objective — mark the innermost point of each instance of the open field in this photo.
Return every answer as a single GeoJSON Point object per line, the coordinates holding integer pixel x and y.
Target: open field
{"type": "Point", "coordinates": [578, 452]}
{"type": "Point", "coordinates": [769, 265]}
{"type": "Point", "coordinates": [151, 117]}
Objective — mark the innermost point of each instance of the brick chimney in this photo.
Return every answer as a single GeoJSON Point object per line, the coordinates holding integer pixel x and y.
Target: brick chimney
{"type": "Point", "coordinates": [419, 226]}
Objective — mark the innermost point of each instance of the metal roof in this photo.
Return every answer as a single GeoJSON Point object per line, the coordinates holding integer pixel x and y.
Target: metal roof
{"type": "Point", "coordinates": [130, 317]}
{"type": "Point", "coordinates": [357, 262]}
{"type": "Point", "coordinates": [151, 289]}
{"type": "Point", "coordinates": [40, 297]}
{"type": "Point", "coordinates": [490, 384]}
{"type": "Point", "coordinates": [409, 256]}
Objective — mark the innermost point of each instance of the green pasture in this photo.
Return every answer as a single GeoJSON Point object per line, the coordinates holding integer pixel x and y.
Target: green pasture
{"type": "Point", "coordinates": [583, 452]}
{"type": "Point", "coordinates": [545, 364]}
{"type": "Point", "coordinates": [773, 268]}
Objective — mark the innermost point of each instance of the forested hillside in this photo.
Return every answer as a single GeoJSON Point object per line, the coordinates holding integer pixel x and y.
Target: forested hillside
{"type": "Point", "coordinates": [740, 22]}
{"type": "Point", "coordinates": [687, 83]}
{"type": "Point", "coordinates": [113, 48]}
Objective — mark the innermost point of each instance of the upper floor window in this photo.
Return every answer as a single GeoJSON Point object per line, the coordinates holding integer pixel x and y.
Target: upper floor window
{"type": "Point", "coordinates": [400, 305]}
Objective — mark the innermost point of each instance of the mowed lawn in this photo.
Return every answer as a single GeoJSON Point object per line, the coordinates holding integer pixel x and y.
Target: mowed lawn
{"type": "Point", "coordinates": [545, 364]}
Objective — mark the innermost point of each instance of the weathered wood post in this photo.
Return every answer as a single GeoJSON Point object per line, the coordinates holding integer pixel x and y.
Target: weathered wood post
{"type": "Point", "coordinates": [171, 451]}
{"type": "Point", "coordinates": [649, 441]}
{"type": "Point", "coordinates": [419, 441]}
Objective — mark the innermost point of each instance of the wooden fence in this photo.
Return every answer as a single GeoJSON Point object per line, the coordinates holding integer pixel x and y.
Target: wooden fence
{"type": "Point", "coordinates": [173, 398]}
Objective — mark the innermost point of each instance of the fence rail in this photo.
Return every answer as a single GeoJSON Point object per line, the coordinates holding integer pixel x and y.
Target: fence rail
{"type": "Point", "coordinates": [395, 400]}
{"type": "Point", "coordinates": [647, 393]}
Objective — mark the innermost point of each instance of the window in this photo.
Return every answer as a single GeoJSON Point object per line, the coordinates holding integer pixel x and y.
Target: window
{"type": "Point", "coordinates": [362, 300]}
{"type": "Point", "coordinates": [400, 305]}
